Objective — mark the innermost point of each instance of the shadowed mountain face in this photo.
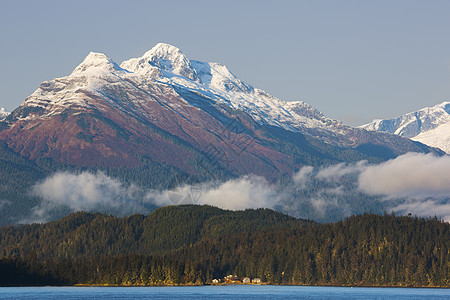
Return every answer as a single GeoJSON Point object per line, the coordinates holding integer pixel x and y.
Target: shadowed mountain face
{"type": "Point", "coordinates": [193, 116]}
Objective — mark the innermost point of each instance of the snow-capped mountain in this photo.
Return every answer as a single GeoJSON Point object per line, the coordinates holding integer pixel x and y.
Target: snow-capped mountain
{"type": "Point", "coordinates": [175, 111]}
{"type": "Point", "coordinates": [429, 125]}
{"type": "Point", "coordinates": [166, 63]}
{"type": "Point", "coordinates": [3, 113]}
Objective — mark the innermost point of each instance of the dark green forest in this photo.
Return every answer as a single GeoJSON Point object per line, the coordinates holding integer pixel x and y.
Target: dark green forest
{"type": "Point", "coordinates": [192, 244]}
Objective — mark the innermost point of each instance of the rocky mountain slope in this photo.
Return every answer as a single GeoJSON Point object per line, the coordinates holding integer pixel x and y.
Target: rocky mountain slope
{"type": "Point", "coordinates": [164, 107]}
{"type": "Point", "coordinates": [430, 126]}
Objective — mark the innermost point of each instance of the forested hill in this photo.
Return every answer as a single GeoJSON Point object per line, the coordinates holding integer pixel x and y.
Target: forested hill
{"type": "Point", "coordinates": [84, 234]}
{"type": "Point", "coordinates": [196, 244]}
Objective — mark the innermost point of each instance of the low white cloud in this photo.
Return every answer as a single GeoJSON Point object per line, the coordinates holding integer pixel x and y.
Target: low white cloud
{"type": "Point", "coordinates": [302, 176]}
{"type": "Point", "coordinates": [411, 183]}
{"type": "Point", "coordinates": [422, 181]}
{"type": "Point", "coordinates": [236, 194]}
{"type": "Point", "coordinates": [242, 193]}
{"type": "Point", "coordinates": [323, 203]}
{"type": "Point", "coordinates": [4, 203]}
{"type": "Point", "coordinates": [409, 175]}
{"type": "Point", "coordinates": [85, 192]}
{"type": "Point", "coordinates": [323, 190]}
{"type": "Point", "coordinates": [429, 208]}
{"type": "Point", "coordinates": [97, 192]}
{"type": "Point", "coordinates": [335, 172]}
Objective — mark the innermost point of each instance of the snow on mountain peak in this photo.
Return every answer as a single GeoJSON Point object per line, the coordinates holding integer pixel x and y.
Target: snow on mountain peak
{"type": "Point", "coordinates": [96, 61]}
{"type": "Point", "coordinates": [165, 51]}
{"type": "Point", "coordinates": [162, 57]}
{"type": "Point", "coordinates": [3, 113]}
{"type": "Point", "coordinates": [166, 63]}
{"type": "Point", "coordinates": [56, 95]}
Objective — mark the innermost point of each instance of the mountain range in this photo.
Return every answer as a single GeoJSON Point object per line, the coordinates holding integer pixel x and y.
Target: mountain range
{"type": "Point", "coordinates": [162, 120]}
{"type": "Point", "coordinates": [429, 125]}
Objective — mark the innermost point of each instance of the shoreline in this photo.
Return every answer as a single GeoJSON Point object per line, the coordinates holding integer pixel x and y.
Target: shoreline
{"type": "Point", "coordinates": [204, 285]}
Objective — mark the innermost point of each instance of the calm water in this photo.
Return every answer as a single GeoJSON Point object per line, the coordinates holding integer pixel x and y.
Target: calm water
{"type": "Point", "coordinates": [220, 292]}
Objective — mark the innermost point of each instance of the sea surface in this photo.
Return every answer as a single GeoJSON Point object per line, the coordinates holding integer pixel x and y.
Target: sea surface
{"type": "Point", "coordinates": [221, 292]}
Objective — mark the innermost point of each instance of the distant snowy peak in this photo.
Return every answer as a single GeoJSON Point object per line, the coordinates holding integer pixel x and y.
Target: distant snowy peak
{"type": "Point", "coordinates": [414, 123]}
{"type": "Point", "coordinates": [3, 113]}
{"type": "Point", "coordinates": [430, 126]}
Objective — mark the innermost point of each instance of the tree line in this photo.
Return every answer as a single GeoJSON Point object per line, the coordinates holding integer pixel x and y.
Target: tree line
{"type": "Point", "coordinates": [195, 244]}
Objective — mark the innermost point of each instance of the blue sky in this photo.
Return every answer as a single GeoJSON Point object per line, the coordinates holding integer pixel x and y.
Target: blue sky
{"type": "Point", "coordinates": [352, 60]}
